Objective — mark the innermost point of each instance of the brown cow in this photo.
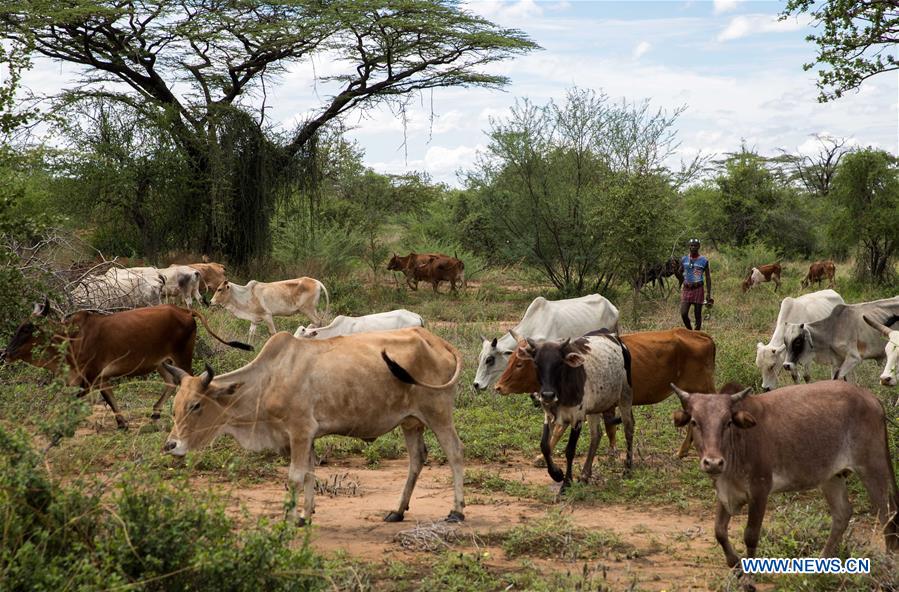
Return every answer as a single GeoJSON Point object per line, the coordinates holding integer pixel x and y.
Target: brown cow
{"type": "Point", "coordinates": [100, 347]}
{"type": "Point", "coordinates": [211, 275]}
{"type": "Point", "coordinates": [818, 271]}
{"type": "Point", "coordinates": [761, 274]}
{"type": "Point", "coordinates": [656, 357]}
{"type": "Point", "coordinates": [429, 267]}
{"type": "Point", "coordinates": [792, 439]}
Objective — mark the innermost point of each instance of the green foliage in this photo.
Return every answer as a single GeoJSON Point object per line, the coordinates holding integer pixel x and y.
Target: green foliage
{"type": "Point", "coordinates": [865, 201]}
{"type": "Point", "coordinates": [855, 42]}
{"type": "Point", "coordinates": [564, 184]}
{"type": "Point", "coordinates": [555, 536]}
{"type": "Point", "coordinates": [148, 534]}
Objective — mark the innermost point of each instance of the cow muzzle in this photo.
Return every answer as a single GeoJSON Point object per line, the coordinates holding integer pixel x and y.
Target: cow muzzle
{"type": "Point", "coordinates": [548, 396]}
{"type": "Point", "coordinates": [711, 465]}
{"type": "Point", "coordinates": [174, 447]}
{"type": "Point", "coordinates": [477, 386]}
{"type": "Point", "coordinates": [884, 380]}
{"type": "Point", "coordinates": [788, 366]}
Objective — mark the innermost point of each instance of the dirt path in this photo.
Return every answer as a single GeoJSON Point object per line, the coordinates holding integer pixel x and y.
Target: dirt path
{"type": "Point", "coordinates": [675, 551]}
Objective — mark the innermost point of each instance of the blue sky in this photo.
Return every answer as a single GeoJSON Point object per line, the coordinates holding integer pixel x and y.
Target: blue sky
{"type": "Point", "coordinates": [736, 68]}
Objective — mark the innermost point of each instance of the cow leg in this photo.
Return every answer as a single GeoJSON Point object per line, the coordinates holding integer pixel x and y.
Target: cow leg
{"type": "Point", "coordinates": [877, 477]}
{"type": "Point", "coordinates": [452, 447]}
{"type": "Point", "coordinates": [300, 474]}
{"type": "Point", "coordinates": [837, 496]}
{"type": "Point", "coordinates": [595, 437]}
{"type": "Point", "coordinates": [252, 332]}
{"type": "Point", "coordinates": [722, 520]}
{"type": "Point", "coordinates": [758, 502]}
{"type": "Point", "coordinates": [167, 391]}
{"type": "Point", "coordinates": [106, 391]}
{"type": "Point", "coordinates": [413, 431]}
{"type": "Point", "coordinates": [270, 324]}
{"type": "Point", "coordinates": [849, 363]}
{"type": "Point", "coordinates": [687, 443]}
{"type": "Point", "coordinates": [627, 418]}
{"type": "Point", "coordinates": [610, 423]}
{"type": "Point", "coordinates": [570, 449]}
{"type": "Point", "coordinates": [554, 471]}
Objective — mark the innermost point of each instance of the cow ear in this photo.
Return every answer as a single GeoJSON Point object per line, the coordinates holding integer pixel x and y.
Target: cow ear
{"type": "Point", "coordinates": [781, 349]}
{"type": "Point", "coordinates": [574, 359]}
{"type": "Point", "coordinates": [493, 343]}
{"type": "Point", "coordinates": [681, 418]}
{"type": "Point", "coordinates": [743, 419]}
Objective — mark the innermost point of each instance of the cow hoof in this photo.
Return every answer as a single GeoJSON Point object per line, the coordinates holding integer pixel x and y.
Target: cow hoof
{"type": "Point", "coordinates": [301, 522]}
{"type": "Point", "coordinates": [556, 474]}
{"type": "Point", "coordinates": [394, 517]}
{"type": "Point", "coordinates": [455, 517]}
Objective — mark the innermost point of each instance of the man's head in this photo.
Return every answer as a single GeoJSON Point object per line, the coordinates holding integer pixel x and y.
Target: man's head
{"type": "Point", "coordinates": [693, 243]}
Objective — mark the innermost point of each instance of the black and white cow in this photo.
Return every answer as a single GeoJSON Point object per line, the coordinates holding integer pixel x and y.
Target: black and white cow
{"type": "Point", "coordinates": [581, 378]}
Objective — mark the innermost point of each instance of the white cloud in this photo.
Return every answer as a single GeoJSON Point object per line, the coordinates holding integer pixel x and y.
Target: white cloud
{"type": "Point", "coordinates": [751, 24]}
{"type": "Point", "coordinates": [722, 6]}
{"type": "Point", "coordinates": [641, 49]}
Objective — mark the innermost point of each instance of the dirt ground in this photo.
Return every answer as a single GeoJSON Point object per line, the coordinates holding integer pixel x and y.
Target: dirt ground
{"type": "Point", "coordinates": [675, 551]}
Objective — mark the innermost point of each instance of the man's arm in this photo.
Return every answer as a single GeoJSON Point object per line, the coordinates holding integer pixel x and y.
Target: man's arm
{"type": "Point", "coordinates": [708, 280]}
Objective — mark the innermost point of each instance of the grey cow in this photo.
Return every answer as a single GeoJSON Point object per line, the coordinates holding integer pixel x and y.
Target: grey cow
{"type": "Point", "coordinates": [843, 339]}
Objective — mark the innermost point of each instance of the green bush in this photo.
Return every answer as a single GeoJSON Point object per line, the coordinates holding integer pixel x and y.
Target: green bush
{"type": "Point", "coordinates": [147, 534]}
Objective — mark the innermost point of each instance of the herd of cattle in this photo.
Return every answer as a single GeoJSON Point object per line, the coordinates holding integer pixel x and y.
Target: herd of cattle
{"type": "Point", "coordinates": [364, 376]}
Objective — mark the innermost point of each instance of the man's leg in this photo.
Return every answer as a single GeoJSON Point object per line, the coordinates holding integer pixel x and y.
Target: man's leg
{"type": "Point", "coordinates": [697, 312]}
{"type": "Point", "coordinates": [685, 314]}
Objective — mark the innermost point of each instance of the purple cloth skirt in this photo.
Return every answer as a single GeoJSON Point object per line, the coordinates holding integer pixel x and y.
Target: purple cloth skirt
{"type": "Point", "coordinates": [693, 295]}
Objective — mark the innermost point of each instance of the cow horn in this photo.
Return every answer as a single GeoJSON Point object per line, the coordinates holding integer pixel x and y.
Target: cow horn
{"type": "Point", "coordinates": [684, 396]}
{"type": "Point", "coordinates": [532, 345]}
{"type": "Point", "coordinates": [207, 376]}
{"type": "Point", "coordinates": [515, 335]}
{"type": "Point", "coordinates": [177, 373]}
{"type": "Point", "coordinates": [45, 308]}
{"type": "Point", "coordinates": [874, 324]}
{"type": "Point", "coordinates": [741, 395]}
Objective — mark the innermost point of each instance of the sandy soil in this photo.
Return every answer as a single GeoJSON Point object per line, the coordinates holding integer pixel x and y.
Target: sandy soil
{"type": "Point", "coordinates": [675, 551]}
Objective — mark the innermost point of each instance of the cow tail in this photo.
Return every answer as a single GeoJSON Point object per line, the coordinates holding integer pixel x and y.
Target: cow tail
{"type": "Point", "coordinates": [237, 344]}
{"type": "Point", "coordinates": [403, 375]}
{"type": "Point", "coordinates": [891, 529]}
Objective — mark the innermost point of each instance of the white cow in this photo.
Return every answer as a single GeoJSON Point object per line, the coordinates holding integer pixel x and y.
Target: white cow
{"type": "Point", "coordinates": [344, 325]}
{"type": "Point", "coordinates": [183, 281]}
{"type": "Point", "coordinates": [804, 309]}
{"type": "Point", "coordinates": [888, 377]}
{"type": "Point", "coordinates": [119, 288]}
{"type": "Point", "coordinates": [259, 301]}
{"type": "Point", "coordinates": [545, 319]}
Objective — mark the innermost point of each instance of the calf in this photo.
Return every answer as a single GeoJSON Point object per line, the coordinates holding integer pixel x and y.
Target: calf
{"type": "Point", "coordinates": [577, 379]}
{"type": "Point", "coordinates": [792, 439]}
{"type": "Point", "coordinates": [761, 274]}
{"type": "Point", "coordinates": [183, 281]}
{"type": "Point", "coordinates": [819, 271]}
{"type": "Point", "coordinates": [101, 347]}
{"type": "Point", "coordinates": [297, 390]}
{"type": "Point", "coordinates": [260, 301]}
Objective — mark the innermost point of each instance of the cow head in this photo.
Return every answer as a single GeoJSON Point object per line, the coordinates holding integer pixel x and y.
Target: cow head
{"type": "Point", "coordinates": [520, 375]}
{"type": "Point", "coordinates": [712, 417]}
{"type": "Point", "coordinates": [891, 369]}
{"type": "Point", "coordinates": [201, 410]}
{"type": "Point", "coordinates": [222, 294]}
{"type": "Point", "coordinates": [306, 332]}
{"type": "Point", "coordinates": [33, 333]}
{"type": "Point", "coordinates": [560, 369]}
{"type": "Point", "coordinates": [491, 362]}
{"type": "Point", "coordinates": [398, 263]}
{"type": "Point", "coordinates": [800, 347]}
{"type": "Point", "coordinates": [769, 360]}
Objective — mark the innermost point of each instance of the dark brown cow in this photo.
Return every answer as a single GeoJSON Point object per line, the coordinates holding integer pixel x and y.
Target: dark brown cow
{"type": "Point", "coordinates": [660, 271]}
{"type": "Point", "coordinates": [100, 347]}
{"type": "Point", "coordinates": [761, 274]}
{"type": "Point", "coordinates": [792, 439]}
{"type": "Point", "coordinates": [657, 357]}
{"type": "Point", "coordinates": [429, 267]}
{"type": "Point", "coordinates": [819, 271]}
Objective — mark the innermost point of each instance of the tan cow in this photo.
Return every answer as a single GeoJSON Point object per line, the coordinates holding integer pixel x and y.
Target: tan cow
{"type": "Point", "coordinates": [761, 274]}
{"type": "Point", "coordinates": [297, 390]}
{"type": "Point", "coordinates": [260, 301]}
{"type": "Point", "coordinates": [211, 275]}
{"type": "Point", "coordinates": [657, 359]}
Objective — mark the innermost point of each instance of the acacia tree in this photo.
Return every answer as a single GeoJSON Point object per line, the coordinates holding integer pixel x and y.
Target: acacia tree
{"type": "Point", "coordinates": [857, 41]}
{"type": "Point", "coordinates": [566, 185]}
{"type": "Point", "coordinates": [202, 66]}
{"type": "Point", "coordinates": [865, 199]}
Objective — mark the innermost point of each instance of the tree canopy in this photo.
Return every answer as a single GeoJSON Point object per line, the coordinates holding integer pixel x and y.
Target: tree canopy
{"type": "Point", "coordinates": [857, 41]}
